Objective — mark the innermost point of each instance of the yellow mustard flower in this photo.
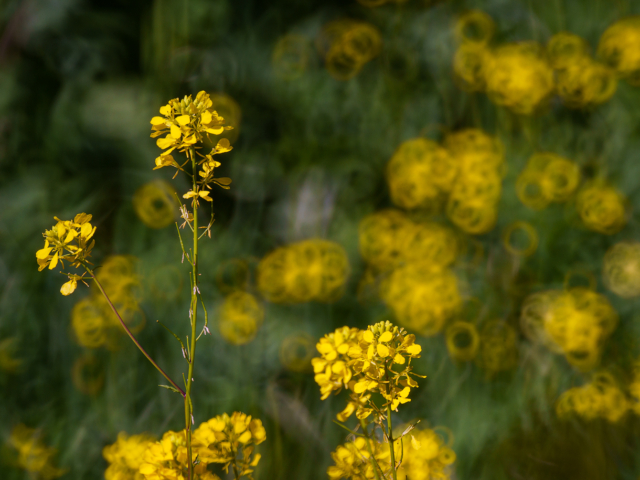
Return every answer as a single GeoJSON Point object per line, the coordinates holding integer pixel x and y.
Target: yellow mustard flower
{"type": "Point", "coordinates": [519, 77]}
{"type": "Point", "coordinates": [167, 460]}
{"type": "Point", "coordinates": [382, 363]}
{"type": "Point", "coordinates": [332, 371]}
{"type": "Point", "coordinates": [353, 460]}
{"type": "Point", "coordinates": [125, 456]}
{"type": "Point", "coordinates": [186, 122]}
{"type": "Point", "coordinates": [601, 398]}
{"type": "Point", "coordinates": [619, 47]}
{"type": "Point", "coordinates": [601, 207]}
{"type": "Point", "coordinates": [426, 457]}
{"type": "Point", "coordinates": [33, 455]}
{"type": "Point", "coordinates": [231, 440]}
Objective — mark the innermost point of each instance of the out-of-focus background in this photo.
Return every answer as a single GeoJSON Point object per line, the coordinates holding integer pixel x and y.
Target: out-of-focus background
{"type": "Point", "coordinates": [466, 169]}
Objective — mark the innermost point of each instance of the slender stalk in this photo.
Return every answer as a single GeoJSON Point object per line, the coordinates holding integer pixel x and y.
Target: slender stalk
{"type": "Point", "coordinates": [126, 329]}
{"type": "Point", "coordinates": [188, 414]}
{"type": "Point", "coordinates": [391, 448]}
{"type": "Point", "coordinates": [374, 464]}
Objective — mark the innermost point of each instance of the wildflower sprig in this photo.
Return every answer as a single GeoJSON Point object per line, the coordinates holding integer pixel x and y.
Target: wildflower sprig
{"type": "Point", "coordinates": [231, 440]}
{"type": "Point", "coordinates": [186, 123]}
{"type": "Point", "coordinates": [69, 240]}
{"type": "Point", "coordinates": [366, 363]}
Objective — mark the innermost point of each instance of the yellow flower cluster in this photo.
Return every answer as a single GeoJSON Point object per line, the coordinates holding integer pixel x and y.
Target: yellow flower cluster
{"type": "Point", "coordinates": [422, 296]}
{"type": "Point", "coordinates": [231, 441]}
{"type": "Point", "coordinates": [580, 80]}
{"type": "Point", "coordinates": [126, 456]}
{"type": "Point", "coordinates": [619, 47]}
{"type": "Point", "coordinates": [167, 459]}
{"type": "Point", "coordinates": [346, 46]}
{"type": "Point", "coordinates": [420, 173]}
{"type": "Point", "coordinates": [389, 238]}
{"type": "Point", "coordinates": [240, 316]}
{"type": "Point", "coordinates": [311, 270]}
{"type": "Point", "coordinates": [515, 75]}
{"type": "Point", "coordinates": [473, 201]}
{"type": "Point", "coordinates": [290, 57]}
{"type": "Point", "coordinates": [363, 362]}
{"type": "Point", "coordinates": [547, 178]}
{"type": "Point", "coordinates": [186, 122]}
{"type": "Point", "coordinates": [575, 322]}
{"type": "Point", "coordinates": [601, 208]}
{"type": "Point", "coordinates": [519, 77]}
{"type": "Point", "coordinates": [8, 362]}
{"type": "Point", "coordinates": [353, 460]}
{"type": "Point", "coordinates": [465, 172]}
{"type": "Point", "coordinates": [225, 440]}
{"type": "Point", "coordinates": [602, 398]}
{"type": "Point", "coordinates": [427, 457]}
{"type": "Point", "coordinates": [621, 269]}
{"type": "Point", "coordinates": [296, 352]}
{"type": "Point", "coordinates": [498, 347]}
{"type": "Point", "coordinates": [67, 240]}
{"type": "Point", "coordinates": [155, 204]}
{"type": "Point", "coordinates": [92, 319]}
{"type": "Point", "coordinates": [32, 454]}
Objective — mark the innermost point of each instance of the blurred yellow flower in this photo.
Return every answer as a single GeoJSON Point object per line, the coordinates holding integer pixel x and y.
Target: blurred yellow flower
{"type": "Point", "coordinates": [32, 454]}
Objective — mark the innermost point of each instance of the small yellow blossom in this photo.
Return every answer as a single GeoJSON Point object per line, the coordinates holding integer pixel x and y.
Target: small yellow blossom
{"type": "Point", "coordinates": [426, 457]}
{"type": "Point", "coordinates": [353, 460]}
{"type": "Point", "coordinates": [231, 440]}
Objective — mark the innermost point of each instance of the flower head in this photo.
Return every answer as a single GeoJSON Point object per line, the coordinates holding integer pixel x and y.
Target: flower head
{"type": "Point", "coordinates": [332, 367]}
{"type": "Point", "coordinates": [125, 456]}
{"type": "Point", "coordinates": [230, 440]}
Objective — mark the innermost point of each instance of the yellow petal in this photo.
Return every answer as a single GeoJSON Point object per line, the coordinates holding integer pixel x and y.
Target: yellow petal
{"type": "Point", "coordinates": [183, 120]}
{"type": "Point", "coordinates": [245, 437]}
{"type": "Point", "coordinates": [69, 287]}
{"type": "Point", "coordinates": [54, 261]}
{"type": "Point", "coordinates": [85, 230]}
{"type": "Point", "coordinates": [206, 117]}
{"type": "Point", "coordinates": [360, 387]}
{"type": "Point", "coordinates": [165, 142]}
{"type": "Point", "coordinates": [256, 459]}
{"type": "Point", "coordinates": [414, 349]}
{"type": "Point", "coordinates": [386, 337]}
{"type": "Point", "coordinates": [383, 351]}
{"type": "Point", "coordinates": [191, 140]}
{"type": "Point", "coordinates": [176, 132]}
{"type": "Point", "coordinates": [223, 146]}
{"type": "Point", "coordinates": [367, 336]}
{"type": "Point", "coordinates": [189, 194]}
{"type": "Point", "coordinates": [70, 236]}
{"type": "Point", "coordinates": [43, 252]}
{"type": "Point", "coordinates": [166, 110]}
{"type": "Point", "coordinates": [158, 121]}
{"type": "Point", "coordinates": [215, 130]}
{"type": "Point", "coordinates": [399, 359]}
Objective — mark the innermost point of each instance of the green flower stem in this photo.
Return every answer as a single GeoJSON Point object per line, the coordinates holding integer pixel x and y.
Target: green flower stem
{"type": "Point", "coordinates": [188, 414]}
{"type": "Point", "coordinates": [374, 464]}
{"type": "Point", "coordinates": [391, 448]}
{"type": "Point", "coordinates": [126, 329]}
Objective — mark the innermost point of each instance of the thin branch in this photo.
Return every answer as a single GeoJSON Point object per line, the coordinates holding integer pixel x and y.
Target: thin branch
{"type": "Point", "coordinates": [126, 329]}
